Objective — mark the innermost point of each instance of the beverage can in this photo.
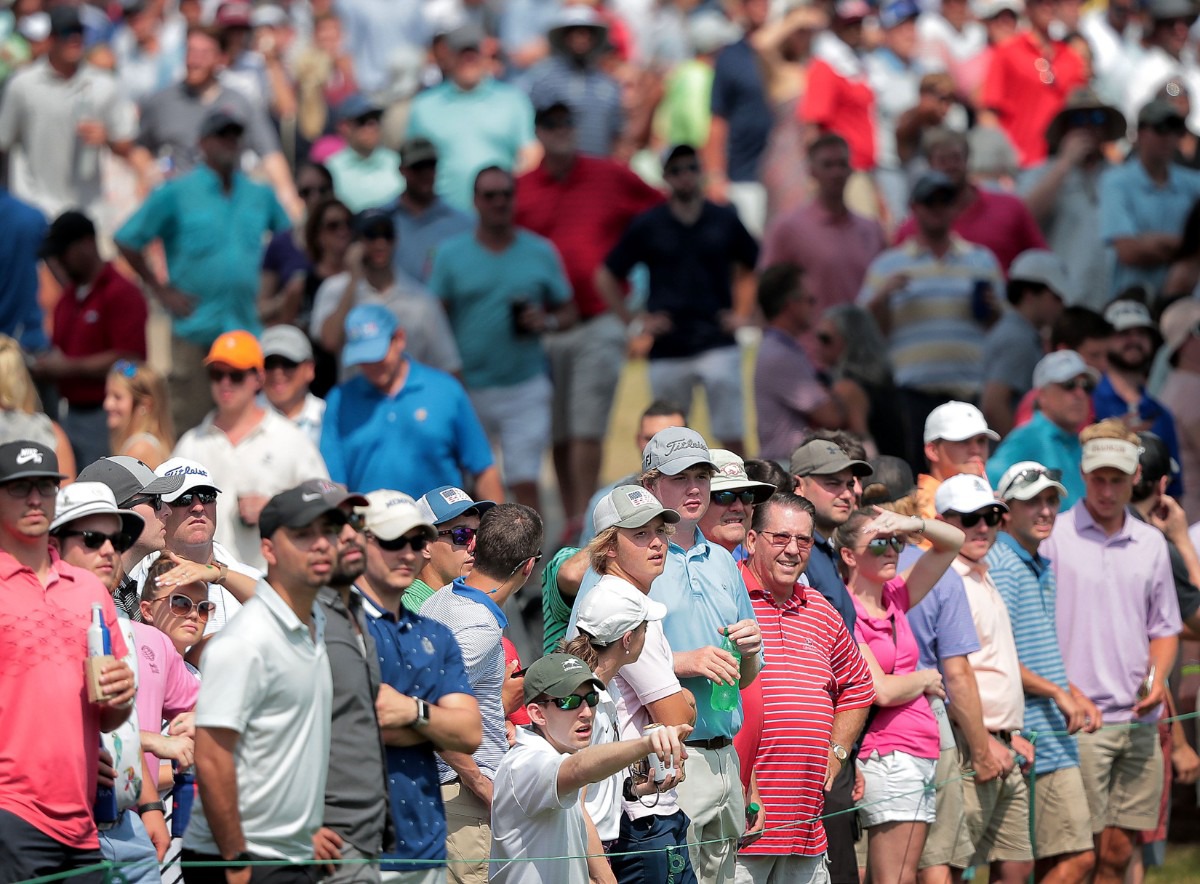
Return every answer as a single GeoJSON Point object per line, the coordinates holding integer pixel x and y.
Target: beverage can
{"type": "Point", "coordinates": [660, 769]}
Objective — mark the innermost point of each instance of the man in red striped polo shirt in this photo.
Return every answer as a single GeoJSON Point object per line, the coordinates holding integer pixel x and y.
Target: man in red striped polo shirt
{"type": "Point", "coordinates": [816, 690]}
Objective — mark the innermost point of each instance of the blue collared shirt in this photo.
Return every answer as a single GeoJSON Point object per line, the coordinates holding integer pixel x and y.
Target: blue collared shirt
{"type": "Point", "coordinates": [418, 657]}
{"type": "Point", "coordinates": [942, 623]}
{"type": "Point", "coordinates": [1108, 403]}
{"type": "Point", "coordinates": [824, 577]}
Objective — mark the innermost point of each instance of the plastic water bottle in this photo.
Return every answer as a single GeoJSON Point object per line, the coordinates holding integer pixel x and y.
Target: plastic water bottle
{"type": "Point", "coordinates": [104, 809]}
{"type": "Point", "coordinates": [725, 696]}
{"type": "Point", "coordinates": [182, 797]}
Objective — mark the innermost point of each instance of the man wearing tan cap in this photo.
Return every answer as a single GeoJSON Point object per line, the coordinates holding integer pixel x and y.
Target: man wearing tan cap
{"type": "Point", "coordinates": [1180, 325]}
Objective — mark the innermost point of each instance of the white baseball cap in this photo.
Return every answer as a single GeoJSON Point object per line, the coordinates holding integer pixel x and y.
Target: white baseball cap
{"type": "Point", "coordinates": [392, 514]}
{"type": "Point", "coordinates": [1122, 315]}
{"type": "Point", "coordinates": [1041, 266]}
{"type": "Point", "coordinates": [193, 473]}
{"type": "Point", "coordinates": [82, 499]}
{"type": "Point", "coordinates": [1115, 453]}
{"type": "Point", "coordinates": [613, 609]}
{"type": "Point", "coordinates": [1027, 479]}
{"type": "Point", "coordinates": [956, 422]}
{"type": "Point", "coordinates": [965, 494]}
{"type": "Point", "coordinates": [1061, 366]}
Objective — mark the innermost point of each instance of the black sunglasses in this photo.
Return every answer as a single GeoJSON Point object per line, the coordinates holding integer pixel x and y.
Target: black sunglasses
{"type": "Point", "coordinates": [725, 498]}
{"type": "Point", "coordinates": [154, 501]}
{"type": "Point", "coordinates": [879, 545]}
{"type": "Point", "coordinates": [235, 376]}
{"type": "Point", "coordinates": [95, 539]}
{"type": "Point", "coordinates": [970, 520]}
{"type": "Point", "coordinates": [186, 499]}
{"type": "Point", "coordinates": [418, 544]}
{"type": "Point", "coordinates": [459, 536]}
{"type": "Point", "coordinates": [574, 701]}
{"type": "Point", "coordinates": [1030, 475]}
{"type": "Point", "coordinates": [20, 488]}
{"type": "Point", "coordinates": [181, 606]}
{"type": "Point", "coordinates": [278, 362]}
{"type": "Point", "coordinates": [1084, 384]}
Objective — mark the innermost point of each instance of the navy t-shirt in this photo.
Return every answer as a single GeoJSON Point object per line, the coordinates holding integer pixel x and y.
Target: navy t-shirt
{"type": "Point", "coordinates": [739, 97]}
{"type": "Point", "coordinates": [691, 272]}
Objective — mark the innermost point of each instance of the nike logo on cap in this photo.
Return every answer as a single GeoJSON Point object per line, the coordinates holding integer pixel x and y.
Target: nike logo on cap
{"type": "Point", "coordinates": [308, 497]}
{"type": "Point", "coordinates": [29, 455]}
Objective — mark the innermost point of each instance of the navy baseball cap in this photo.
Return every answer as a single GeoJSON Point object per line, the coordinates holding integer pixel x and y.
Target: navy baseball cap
{"type": "Point", "coordinates": [369, 331]}
{"type": "Point", "coordinates": [447, 502]}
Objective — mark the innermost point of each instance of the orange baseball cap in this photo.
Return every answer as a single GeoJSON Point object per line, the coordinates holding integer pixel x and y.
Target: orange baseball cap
{"type": "Point", "coordinates": [237, 349]}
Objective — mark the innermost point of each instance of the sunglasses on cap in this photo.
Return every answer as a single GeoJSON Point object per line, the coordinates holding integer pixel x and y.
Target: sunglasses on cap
{"type": "Point", "coordinates": [234, 375]}
{"type": "Point", "coordinates": [418, 544]}
{"type": "Point", "coordinates": [1028, 476]}
{"type": "Point", "coordinates": [969, 520]}
{"type": "Point", "coordinates": [95, 539]}
{"type": "Point", "coordinates": [125, 368]}
{"type": "Point", "coordinates": [188, 498]}
{"type": "Point", "coordinates": [725, 498]}
{"type": "Point", "coordinates": [459, 536]}
{"type": "Point", "coordinates": [877, 546]}
{"type": "Point", "coordinates": [181, 606]}
{"type": "Point", "coordinates": [574, 701]}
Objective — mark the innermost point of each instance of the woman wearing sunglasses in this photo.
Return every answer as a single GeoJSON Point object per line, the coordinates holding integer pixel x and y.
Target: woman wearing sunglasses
{"type": "Point", "coordinates": [138, 413]}
{"type": "Point", "coordinates": [900, 745]}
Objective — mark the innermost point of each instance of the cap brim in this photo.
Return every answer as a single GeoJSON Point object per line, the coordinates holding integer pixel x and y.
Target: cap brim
{"type": "Point", "coordinates": [1099, 461]}
{"type": "Point", "coordinates": [165, 485]}
{"type": "Point", "coordinates": [478, 507]}
{"type": "Point", "coordinates": [990, 433]}
{"type": "Point", "coordinates": [675, 467]}
{"type": "Point", "coordinates": [1028, 492]}
{"type": "Point", "coordinates": [310, 513]}
{"type": "Point", "coordinates": [362, 352]}
{"type": "Point", "coordinates": [762, 490]}
{"type": "Point", "coordinates": [568, 686]}
{"type": "Point", "coordinates": [860, 468]}
{"type": "Point", "coordinates": [33, 474]}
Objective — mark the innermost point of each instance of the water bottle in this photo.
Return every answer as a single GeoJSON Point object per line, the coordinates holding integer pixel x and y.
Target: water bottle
{"type": "Point", "coordinates": [104, 808]}
{"type": "Point", "coordinates": [725, 696]}
{"type": "Point", "coordinates": [182, 797]}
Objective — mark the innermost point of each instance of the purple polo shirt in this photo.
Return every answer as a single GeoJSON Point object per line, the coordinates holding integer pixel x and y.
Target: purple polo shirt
{"type": "Point", "coordinates": [1115, 594]}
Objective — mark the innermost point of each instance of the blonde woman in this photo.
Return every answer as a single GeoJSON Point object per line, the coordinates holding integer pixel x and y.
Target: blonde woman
{"type": "Point", "coordinates": [139, 415]}
{"type": "Point", "coordinates": [21, 415]}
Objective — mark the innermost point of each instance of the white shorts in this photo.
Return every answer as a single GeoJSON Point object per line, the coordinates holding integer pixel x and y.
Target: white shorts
{"type": "Point", "coordinates": [899, 789]}
{"type": "Point", "coordinates": [517, 422]}
{"type": "Point", "coordinates": [719, 371]}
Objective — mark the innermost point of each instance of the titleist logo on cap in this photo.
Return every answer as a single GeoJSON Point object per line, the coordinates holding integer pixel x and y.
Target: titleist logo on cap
{"type": "Point", "coordinates": [187, 471]}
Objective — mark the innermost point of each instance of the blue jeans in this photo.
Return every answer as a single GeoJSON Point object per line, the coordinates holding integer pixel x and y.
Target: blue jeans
{"type": "Point", "coordinates": [653, 833]}
{"type": "Point", "coordinates": [128, 844]}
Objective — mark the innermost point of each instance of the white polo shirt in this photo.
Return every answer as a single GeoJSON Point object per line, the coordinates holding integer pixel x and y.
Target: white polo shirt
{"type": "Point", "coordinates": [604, 798]}
{"type": "Point", "coordinates": [275, 456]}
{"type": "Point", "coordinates": [530, 819]}
{"type": "Point", "coordinates": [267, 678]}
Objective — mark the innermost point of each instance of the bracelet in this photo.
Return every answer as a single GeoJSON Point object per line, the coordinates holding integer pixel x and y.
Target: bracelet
{"type": "Point", "coordinates": [222, 572]}
{"type": "Point", "coordinates": [151, 806]}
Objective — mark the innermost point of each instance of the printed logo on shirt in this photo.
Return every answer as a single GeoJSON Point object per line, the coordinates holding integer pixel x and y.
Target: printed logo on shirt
{"type": "Point", "coordinates": [455, 495]}
{"type": "Point", "coordinates": [91, 317]}
{"type": "Point", "coordinates": [148, 653]}
{"type": "Point", "coordinates": [420, 415]}
{"type": "Point", "coordinates": [426, 645]}
{"type": "Point", "coordinates": [28, 455]}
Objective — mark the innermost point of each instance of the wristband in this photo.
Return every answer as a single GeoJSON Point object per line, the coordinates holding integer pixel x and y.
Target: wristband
{"type": "Point", "coordinates": [150, 806]}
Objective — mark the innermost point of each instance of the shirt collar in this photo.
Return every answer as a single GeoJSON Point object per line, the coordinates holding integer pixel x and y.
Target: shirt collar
{"type": "Point", "coordinates": [798, 598]}
{"type": "Point", "coordinates": [966, 568]}
{"type": "Point", "coordinates": [10, 567]}
{"type": "Point", "coordinates": [1038, 562]}
{"type": "Point", "coordinates": [286, 616]}
{"type": "Point", "coordinates": [461, 588]}
{"type": "Point", "coordinates": [958, 246]}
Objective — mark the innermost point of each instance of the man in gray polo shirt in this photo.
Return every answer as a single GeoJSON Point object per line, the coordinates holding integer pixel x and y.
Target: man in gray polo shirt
{"type": "Point", "coordinates": [507, 549]}
{"type": "Point", "coordinates": [263, 717]}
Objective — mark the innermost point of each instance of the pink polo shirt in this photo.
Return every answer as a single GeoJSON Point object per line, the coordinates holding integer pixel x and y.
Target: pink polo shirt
{"type": "Point", "coordinates": [49, 732]}
{"type": "Point", "coordinates": [166, 687]}
{"type": "Point", "coordinates": [1114, 595]}
{"type": "Point", "coordinates": [909, 727]}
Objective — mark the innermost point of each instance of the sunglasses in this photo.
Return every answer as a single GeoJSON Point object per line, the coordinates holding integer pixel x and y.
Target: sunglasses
{"type": "Point", "coordinates": [235, 376]}
{"type": "Point", "coordinates": [681, 168]}
{"type": "Point", "coordinates": [21, 488]}
{"type": "Point", "coordinates": [154, 501]}
{"type": "Point", "coordinates": [378, 233]}
{"type": "Point", "coordinates": [505, 194]}
{"type": "Point", "coordinates": [725, 498]}
{"type": "Point", "coordinates": [970, 520]}
{"type": "Point", "coordinates": [574, 701]}
{"type": "Point", "coordinates": [125, 368]}
{"type": "Point", "coordinates": [357, 521]}
{"type": "Point", "coordinates": [781, 539]}
{"type": "Point", "coordinates": [422, 165]}
{"type": "Point", "coordinates": [460, 536]}
{"type": "Point", "coordinates": [188, 498]}
{"type": "Point", "coordinates": [1028, 476]}
{"type": "Point", "coordinates": [1084, 384]}
{"type": "Point", "coordinates": [1173, 127]}
{"type": "Point", "coordinates": [418, 544]}
{"type": "Point", "coordinates": [272, 363]}
{"type": "Point", "coordinates": [95, 539]}
{"type": "Point", "coordinates": [306, 192]}
{"type": "Point", "coordinates": [181, 606]}
{"type": "Point", "coordinates": [877, 546]}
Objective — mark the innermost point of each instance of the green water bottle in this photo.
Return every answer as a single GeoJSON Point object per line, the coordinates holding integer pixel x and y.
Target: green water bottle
{"type": "Point", "coordinates": [725, 696]}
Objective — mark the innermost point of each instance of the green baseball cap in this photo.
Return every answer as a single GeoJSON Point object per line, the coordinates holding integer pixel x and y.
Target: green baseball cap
{"type": "Point", "coordinates": [556, 676]}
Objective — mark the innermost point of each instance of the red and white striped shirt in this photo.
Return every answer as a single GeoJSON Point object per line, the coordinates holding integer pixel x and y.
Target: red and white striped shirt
{"type": "Point", "coordinates": [813, 670]}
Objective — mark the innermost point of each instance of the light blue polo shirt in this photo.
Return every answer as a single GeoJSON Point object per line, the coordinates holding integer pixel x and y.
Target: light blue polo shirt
{"type": "Point", "coordinates": [425, 436]}
{"type": "Point", "coordinates": [1045, 442]}
{"type": "Point", "coordinates": [365, 182]}
{"type": "Point", "coordinates": [214, 244]}
{"type": "Point", "coordinates": [419, 235]}
{"type": "Point", "coordinates": [472, 130]}
{"type": "Point", "coordinates": [704, 593]}
{"type": "Point", "coordinates": [479, 287]}
{"type": "Point", "coordinates": [1131, 204]}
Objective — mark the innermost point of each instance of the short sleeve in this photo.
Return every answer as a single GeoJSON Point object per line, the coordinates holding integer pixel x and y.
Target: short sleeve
{"type": "Point", "coordinates": [1162, 618]}
{"type": "Point", "coordinates": [150, 221]}
{"type": "Point", "coordinates": [331, 439]}
{"type": "Point", "coordinates": [325, 302]}
{"type": "Point", "coordinates": [723, 94]}
{"type": "Point", "coordinates": [555, 610]}
{"type": "Point", "coordinates": [652, 676]}
{"type": "Point", "coordinates": [474, 451]}
{"type": "Point", "coordinates": [628, 251]}
{"type": "Point", "coordinates": [534, 780]}
{"type": "Point", "coordinates": [11, 111]}
{"type": "Point", "coordinates": [820, 95]}
{"type": "Point", "coordinates": [231, 684]}
{"type": "Point", "coordinates": [954, 626]}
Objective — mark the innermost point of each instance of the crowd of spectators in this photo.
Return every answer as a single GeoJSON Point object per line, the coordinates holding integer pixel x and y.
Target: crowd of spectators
{"type": "Point", "coordinates": [313, 317]}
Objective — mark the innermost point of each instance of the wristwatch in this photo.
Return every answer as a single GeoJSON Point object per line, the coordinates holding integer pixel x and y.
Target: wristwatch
{"type": "Point", "coordinates": [839, 752]}
{"type": "Point", "coordinates": [239, 862]}
{"type": "Point", "coordinates": [422, 719]}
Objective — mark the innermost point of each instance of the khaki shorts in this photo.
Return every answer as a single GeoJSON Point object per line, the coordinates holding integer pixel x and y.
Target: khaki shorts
{"type": "Point", "coordinates": [585, 367]}
{"type": "Point", "coordinates": [997, 814]}
{"type": "Point", "coordinates": [948, 842]}
{"type": "Point", "coordinates": [468, 834]}
{"type": "Point", "coordinates": [1122, 771]}
{"type": "Point", "coordinates": [1062, 822]}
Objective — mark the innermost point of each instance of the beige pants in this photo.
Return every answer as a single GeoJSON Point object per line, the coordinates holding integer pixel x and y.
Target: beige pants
{"type": "Point", "coordinates": [468, 835]}
{"type": "Point", "coordinates": [711, 796]}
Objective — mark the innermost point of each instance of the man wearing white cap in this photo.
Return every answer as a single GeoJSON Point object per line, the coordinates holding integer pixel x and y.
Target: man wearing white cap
{"type": "Point", "coordinates": [997, 811]}
{"type": "Point", "coordinates": [732, 497]}
{"type": "Point", "coordinates": [1122, 390]}
{"type": "Point", "coordinates": [1118, 627]}
{"type": "Point", "coordinates": [956, 441]}
{"type": "Point", "coordinates": [1054, 708]}
{"type": "Point", "coordinates": [288, 371]}
{"type": "Point", "coordinates": [1064, 384]}
{"type": "Point", "coordinates": [1180, 393]}
{"type": "Point", "coordinates": [1037, 285]}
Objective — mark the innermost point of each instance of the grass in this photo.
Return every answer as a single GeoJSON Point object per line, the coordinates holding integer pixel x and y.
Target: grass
{"type": "Point", "coordinates": [1182, 866]}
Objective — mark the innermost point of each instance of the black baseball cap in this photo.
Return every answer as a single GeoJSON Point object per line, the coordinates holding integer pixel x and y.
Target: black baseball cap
{"type": "Point", "coordinates": [25, 459]}
{"type": "Point", "coordinates": [1155, 458]}
{"type": "Point", "coordinates": [67, 229]}
{"type": "Point", "coordinates": [335, 493]}
{"type": "Point", "coordinates": [296, 508]}
{"type": "Point", "coordinates": [65, 21]}
{"type": "Point", "coordinates": [128, 477]}
{"type": "Point", "coordinates": [548, 111]}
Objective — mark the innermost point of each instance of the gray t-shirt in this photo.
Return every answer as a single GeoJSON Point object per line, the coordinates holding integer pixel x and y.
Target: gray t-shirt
{"type": "Point", "coordinates": [171, 125]}
{"type": "Point", "coordinates": [1011, 350]}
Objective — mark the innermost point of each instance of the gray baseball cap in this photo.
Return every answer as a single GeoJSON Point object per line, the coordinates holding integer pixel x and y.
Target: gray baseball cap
{"type": "Point", "coordinates": [822, 458]}
{"type": "Point", "coordinates": [629, 506]}
{"type": "Point", "coordinates": [673, 450]}
{"type": "Point", "coordinates": [128, 477]}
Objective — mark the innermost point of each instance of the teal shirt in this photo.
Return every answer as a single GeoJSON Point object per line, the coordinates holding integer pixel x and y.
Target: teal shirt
{"type": "Point", "coordinates": [214, 244]}
{"type": "Point", "coordinates": [487, 126]}
{"type": "Point", "coordinates": [1043, 441]}
{"type": "Point", "coordinates": [479, 287]}
{"type": "Point", "coordinates": [366, 182]}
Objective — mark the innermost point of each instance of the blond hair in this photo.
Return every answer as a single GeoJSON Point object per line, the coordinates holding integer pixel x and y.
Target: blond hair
{"type": "Point", "coordinates": [1109, 428]}
{"type": "Point", "coordinates": [17, 391]}
{"type": "Point", "coordinates": [148, 389]}
{"type": "Point", "coordinates": [908, 505]}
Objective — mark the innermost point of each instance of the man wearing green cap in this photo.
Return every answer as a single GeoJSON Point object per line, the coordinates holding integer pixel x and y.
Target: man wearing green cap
{"type": "Point", "coordinates": [535, 801]}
